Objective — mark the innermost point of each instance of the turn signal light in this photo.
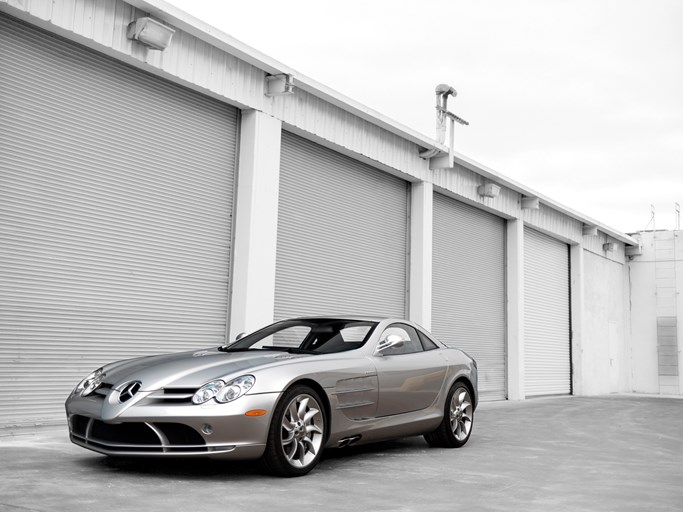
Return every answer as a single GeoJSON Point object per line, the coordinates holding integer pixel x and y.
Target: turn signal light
{"type": "Point", "coordinates": [255, 412]}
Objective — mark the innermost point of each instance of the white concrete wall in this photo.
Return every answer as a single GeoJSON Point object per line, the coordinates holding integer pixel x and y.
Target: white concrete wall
{"type": "Point", "coordinates": [643, 357]}
{"type": "Point", "coordinates": [577, 304]}
{"type": "Point", "coordinates": [420, 264]}
{"type": "Point", "coordinates": [647, 302]}
{"type": "Point", "coordinates": [515, 309]}
{"type": "Point", "coordinates": [603, 356]}
{"type": "Point", "coordinates": [678, 255]}
{"type": "Point", "coordinates": [256, 211]}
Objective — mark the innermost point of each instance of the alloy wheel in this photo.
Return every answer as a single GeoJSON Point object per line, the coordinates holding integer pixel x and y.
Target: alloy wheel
{"type": "Point", "coordinates": [302, 430]}
{"type": "Point", "coordinates": [461, 412]}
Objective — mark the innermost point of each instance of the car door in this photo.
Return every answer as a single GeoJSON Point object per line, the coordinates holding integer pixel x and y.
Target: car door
{"type": "Point", "coordinates": [409, 376]}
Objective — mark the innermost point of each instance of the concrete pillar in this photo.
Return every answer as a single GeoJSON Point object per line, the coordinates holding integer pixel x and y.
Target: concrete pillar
{"type": "Point", "coordinates": [253, 276]}
{"type": "Point", "coordinates": [577, 307]}
{"type": "Point", "coordinates": [420, 285]}
{"type": "Point", "coordinates": [515, 309]}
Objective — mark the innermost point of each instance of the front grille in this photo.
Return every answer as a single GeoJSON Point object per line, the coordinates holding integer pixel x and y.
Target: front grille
{"type": "Point", "coordinates": [124, 433]}
{"type": "Point", "coordinates": [166, 395]}
{"type": "Point", "coordinates": [180, 435]}
{"type": "Point", "coordinates": [136, 437]}
{"type": "Point", "coordinates": [79, 425]}
{"type": "Point", "coordinates": [174, 395]}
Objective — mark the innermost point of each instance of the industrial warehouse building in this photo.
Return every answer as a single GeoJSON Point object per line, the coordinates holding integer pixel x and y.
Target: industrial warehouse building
{"type": "Point", "coordinates": [160, 200]}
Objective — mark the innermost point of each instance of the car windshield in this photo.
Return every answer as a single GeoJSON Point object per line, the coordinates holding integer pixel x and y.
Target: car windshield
{"type": "Point", "coordinates": [313, 336]}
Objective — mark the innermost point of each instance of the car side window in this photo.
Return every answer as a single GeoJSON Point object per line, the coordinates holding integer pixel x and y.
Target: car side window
{"type": "Point", "coordinates": [411, 341]}
{"type": "Point", "coordinates": [427, 343]}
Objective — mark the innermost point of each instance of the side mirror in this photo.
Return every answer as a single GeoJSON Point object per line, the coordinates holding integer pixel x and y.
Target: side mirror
{"type": "Point", "coordinates": [391, 341]}
{"type": "Point", "coordinates": [240, 336]}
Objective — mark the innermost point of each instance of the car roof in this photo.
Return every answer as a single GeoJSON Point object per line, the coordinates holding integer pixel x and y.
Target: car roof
{"type": "Point", "coordinates": [340, 317]}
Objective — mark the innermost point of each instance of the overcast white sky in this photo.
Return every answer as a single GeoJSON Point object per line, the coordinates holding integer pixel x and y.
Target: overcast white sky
{"type": "Point", "coordinates": [579, 100]}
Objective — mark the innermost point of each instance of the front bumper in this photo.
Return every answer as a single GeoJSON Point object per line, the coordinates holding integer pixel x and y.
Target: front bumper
{"type": "Point", "coordinates": [150, 428]}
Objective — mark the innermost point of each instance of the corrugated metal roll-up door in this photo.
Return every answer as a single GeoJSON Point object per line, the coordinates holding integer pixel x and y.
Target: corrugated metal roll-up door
{"type": "Point", "coordinates": [342, 232]}
{"type": "Point", "coordinates": [546, 315]}
{"type": "Point", "coordinates": [115, 218]}
{"type": "Point", "coordinates": [468, 288]}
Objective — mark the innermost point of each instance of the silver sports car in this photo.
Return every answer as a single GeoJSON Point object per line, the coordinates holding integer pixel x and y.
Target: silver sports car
{"type": "Point", "coordinates": [281, 394]}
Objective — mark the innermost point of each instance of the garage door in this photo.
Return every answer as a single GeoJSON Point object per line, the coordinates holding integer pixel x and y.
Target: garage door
{"type": "Point", "coordinates": [468, 289]}
{"type": "Point", "coordinates": [546, 315]}
{"type": "Point", "coordinates": [115, 218]}
{"type": "Point", "coordinates": [342, 235]}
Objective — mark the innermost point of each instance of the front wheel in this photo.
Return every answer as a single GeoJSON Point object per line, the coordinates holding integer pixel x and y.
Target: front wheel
{"type": "Point", "coordinates": [297, 433]}
{"type": "Point", "coordinates": [458, 418]}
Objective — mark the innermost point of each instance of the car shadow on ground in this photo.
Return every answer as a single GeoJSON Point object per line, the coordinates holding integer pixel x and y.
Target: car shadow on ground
{"type": "Point", "coordinates": [208, 469]}
{"type": "Point", "coordinates": [190, 468]}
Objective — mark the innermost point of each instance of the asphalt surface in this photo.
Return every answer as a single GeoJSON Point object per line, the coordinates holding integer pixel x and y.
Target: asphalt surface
{"type": "Point", "coordinates": [613, 453]}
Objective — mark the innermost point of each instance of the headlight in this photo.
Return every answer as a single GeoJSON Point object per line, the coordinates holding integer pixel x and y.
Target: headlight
{"type": "Point", "coordinates": [224, 391]}
{"type": "Point", "coordinates": [236, 388]}
{"type": "Point", "coordinates": [207, 391]}
{"type": "Point", "coordinates": [90, 383]}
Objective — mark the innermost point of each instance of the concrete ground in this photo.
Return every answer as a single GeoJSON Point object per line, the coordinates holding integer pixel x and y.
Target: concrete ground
{"type": "Point", "coordinates": [615, 453]}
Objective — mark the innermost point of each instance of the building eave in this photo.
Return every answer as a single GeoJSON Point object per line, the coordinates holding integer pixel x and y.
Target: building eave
{"type": "Point", "coordinates": [178, 18]}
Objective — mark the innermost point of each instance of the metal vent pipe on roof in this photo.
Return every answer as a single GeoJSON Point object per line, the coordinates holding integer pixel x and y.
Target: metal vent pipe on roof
{"type": "Point", "coordinates": [442, 93]}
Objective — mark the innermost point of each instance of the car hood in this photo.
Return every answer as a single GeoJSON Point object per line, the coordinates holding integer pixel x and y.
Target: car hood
{"type": "Point", "coordinates": [190, 369]}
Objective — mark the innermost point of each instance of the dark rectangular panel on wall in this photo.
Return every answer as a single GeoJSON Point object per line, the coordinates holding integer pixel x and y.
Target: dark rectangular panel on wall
{"type": "Point", "coordinates": [468, 289]}
{"type": "Point", "coordinates": [547, 356]}
{"type": "Point", "coordinates": [116, 198]}
{"type": "Point", "coordinates": [342, 235]}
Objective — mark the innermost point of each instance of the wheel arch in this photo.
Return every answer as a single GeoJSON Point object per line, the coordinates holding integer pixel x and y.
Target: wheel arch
{"type": "Point", "coordinates": [470, 387]}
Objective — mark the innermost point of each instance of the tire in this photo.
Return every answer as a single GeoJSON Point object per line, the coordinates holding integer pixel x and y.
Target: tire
{"type": "Point", "coordinates": [297, 433]}
{"type": "Point", "coordinates": [458, 419]}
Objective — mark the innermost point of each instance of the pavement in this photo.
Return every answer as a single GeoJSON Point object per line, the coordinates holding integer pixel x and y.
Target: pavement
{"type": "Point", "coordinates": [610, 453]}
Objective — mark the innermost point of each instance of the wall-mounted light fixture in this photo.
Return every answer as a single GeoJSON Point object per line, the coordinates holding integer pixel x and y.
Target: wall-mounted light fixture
{"type": "Point", "coordinates": [589, 230]}
{"type": "Point", "coordinates": [488, 190]}
{"type": "Point", "coordinates": [634, 250]}
{"type": "Point", "coordinates": [531, 203]}
{"type": "Point", "coordinates": [609, 247]}
{"type": "Point", "coordinates": [279, 85]}
{"type": "Point", "coordinates": [151, 33]}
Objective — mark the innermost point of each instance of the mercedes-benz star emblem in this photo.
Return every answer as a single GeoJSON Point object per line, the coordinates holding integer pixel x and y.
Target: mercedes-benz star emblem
{"type": "Point", "coordinates": [129, 391]}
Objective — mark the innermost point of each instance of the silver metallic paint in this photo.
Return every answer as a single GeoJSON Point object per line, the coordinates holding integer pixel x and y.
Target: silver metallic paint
{"type": "Point", "coordinates": [374, 396]}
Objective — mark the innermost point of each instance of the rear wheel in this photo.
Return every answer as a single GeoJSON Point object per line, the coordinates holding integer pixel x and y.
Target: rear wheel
{"type": "Point", "coordinates": [458, 418]}
{"type": "Point", "coordinates": [297, 433]}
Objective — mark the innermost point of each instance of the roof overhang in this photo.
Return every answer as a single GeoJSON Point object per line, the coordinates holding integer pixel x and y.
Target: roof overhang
{"type": "Point", "coordinates": [211, 35]}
